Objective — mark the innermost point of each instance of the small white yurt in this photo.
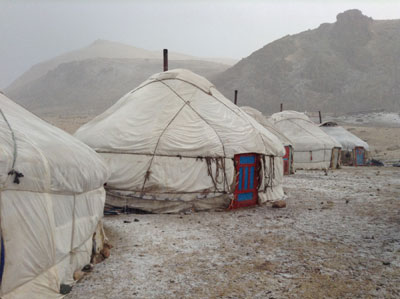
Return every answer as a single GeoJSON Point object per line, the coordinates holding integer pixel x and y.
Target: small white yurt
{"type": "Point", "coordinates": [51, 204]}
{"type": "Point", "coordinates": [354, 150]}
{"type": "Point", "coordinates": [260, 118]}
{"type": "Point", "coordinates": [313, 148]}
{"type": "Point", "coordinates": [176, 143]}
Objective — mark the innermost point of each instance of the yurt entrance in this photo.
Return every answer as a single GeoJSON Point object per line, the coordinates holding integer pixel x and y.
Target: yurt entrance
{"type": "Point", "coordinates": [359, 156]}
{"type": "Point", "coordinates": [287, 161]}
{"type": "Point", "coordinates": [246, 191]}
{"type": "Point", "coordinates": [335, 160]}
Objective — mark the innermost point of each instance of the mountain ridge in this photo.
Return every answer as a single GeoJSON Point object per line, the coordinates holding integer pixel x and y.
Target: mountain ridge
{"type": "Point", "coordinates": [346, 66]}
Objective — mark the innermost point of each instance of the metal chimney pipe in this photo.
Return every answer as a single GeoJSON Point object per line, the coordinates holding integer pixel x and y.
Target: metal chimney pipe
{"type": "Point", "coordinates": [236, 92]}
{"type": "Point", "coordinates": [165, 60]}
{"type": "Point", "coordinates": [320, 117]}
{"type": "Point", "coordinates": [281, 107]}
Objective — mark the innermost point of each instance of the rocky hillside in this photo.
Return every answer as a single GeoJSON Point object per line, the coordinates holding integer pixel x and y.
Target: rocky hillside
{"type": "Point", "coordinates": [89, 80]}
{"type": "Point", "coordinates": [349, 66]}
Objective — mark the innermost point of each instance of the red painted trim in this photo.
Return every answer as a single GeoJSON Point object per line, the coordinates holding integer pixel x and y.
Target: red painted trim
{"type": "Point", "coordinates": [251, 202]}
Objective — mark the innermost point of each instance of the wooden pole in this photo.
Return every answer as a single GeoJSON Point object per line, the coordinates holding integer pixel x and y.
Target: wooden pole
{"type": "Point", "coordinates": [165, 52]}
{"type": "Point", "coordinates": [320, 117]}
{"type": "Point", "coordinates": [281, 107]}
{"type": "Point", "coordinates": [236, 93]}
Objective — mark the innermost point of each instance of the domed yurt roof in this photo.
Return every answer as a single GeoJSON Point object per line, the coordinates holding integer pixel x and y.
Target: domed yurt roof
{"type": "Point", "coordinates": [49, 158]}
{"type": "Point", "coordinates": [303, 132]}
{"type": "Point", "coordinates": [263, 120]}
{"type": "Point", "coordinates": [177, 113]}
{"type": "Point", "coordinates": [347, 139]}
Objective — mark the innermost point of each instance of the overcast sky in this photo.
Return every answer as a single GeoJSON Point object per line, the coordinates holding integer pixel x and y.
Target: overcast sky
{"type": "Point", "coordinates": [37, 30]}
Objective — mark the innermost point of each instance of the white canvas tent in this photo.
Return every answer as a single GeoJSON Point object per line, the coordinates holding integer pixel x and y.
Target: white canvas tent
{"type": "Point", "coordinates": [313, 148]}
{"type": "Point", "coordinates": [349, 142]}
{"type": "Point", "coordinates": [260, 118]}
{"type": "Point", "coordinates": [170, 144]}
{"type": "Point", "coordinates": [51, 203]}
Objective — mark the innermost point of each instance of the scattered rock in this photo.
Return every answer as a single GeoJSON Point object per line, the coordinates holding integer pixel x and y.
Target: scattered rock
{"type": "Point", "coordinates": [127, 221]}
{"type": "Point", "coordinates": [105, 252]}
{"type": "Point", "coordinates": [279, 204]}
{"type": "Point", "coordinates": [386, 263]}
{"type": "Point", "coordinates": [65, 289]}
{"type": "Point", "coordinates": [97, 258]}
{"type": "Point", "coordinates": [88, 268]}
{"type": "Point", "coordinates": [78, 275]}
{"type": "Point", "coordinates": [136, 220]}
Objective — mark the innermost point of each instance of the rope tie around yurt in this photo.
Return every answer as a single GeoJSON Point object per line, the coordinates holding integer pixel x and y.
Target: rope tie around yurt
{"type": "Point", "coordinates": [269, 175]}
{"type": "Point", "coordinates": [17, 174]}
{"type": "Point", "coordinates": [220, 172]}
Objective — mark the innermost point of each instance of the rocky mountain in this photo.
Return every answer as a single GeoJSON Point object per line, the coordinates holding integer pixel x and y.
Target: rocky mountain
{"type": "Point", "coordinates": [349, 66]}
{"type": "Point", "coordinates": [89, 80]}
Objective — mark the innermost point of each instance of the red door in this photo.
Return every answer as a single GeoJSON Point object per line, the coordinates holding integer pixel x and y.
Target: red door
{"type": "Point", "coordinates": [286, 161]}
{"type": "Point", "coordinates": [247, 167]}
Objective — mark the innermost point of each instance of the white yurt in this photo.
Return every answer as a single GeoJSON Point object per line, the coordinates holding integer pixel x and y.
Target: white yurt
{"type": "Point", "coordinates": [313, 148]}
{"type": "Point", "coordinates": [51, 204]}
{"type": "Point", "coordinates": [354, 150]}
{"type": "Point", "coordinates": [176, 143]}
{"type": "Point", "coordinates": [263, 120]}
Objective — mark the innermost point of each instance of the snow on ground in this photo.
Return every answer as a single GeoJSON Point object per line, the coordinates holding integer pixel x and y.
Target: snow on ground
{"type": "Point", "coordinates": [339, 237]}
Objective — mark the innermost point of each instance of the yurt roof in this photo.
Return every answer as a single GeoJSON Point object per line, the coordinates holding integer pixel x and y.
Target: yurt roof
{"type": "Point", "coordinates": [348, 140]}
{"type": "Point", "coordinates": [49, 159]}
{"type": "Point", "coordinates": [304, 133]}
{"type": "Point", "coordinates": [177, 113]}
{"type": "Point", "coordinates": [259, 117]}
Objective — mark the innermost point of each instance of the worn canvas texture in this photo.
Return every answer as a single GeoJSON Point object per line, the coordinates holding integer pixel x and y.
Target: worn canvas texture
{"type": "Point", "coordinates": [174, 137]}
{"type": "Point", "coordinates": [49, 217]}
{"type": "Point", "coordinates": [312, 146]}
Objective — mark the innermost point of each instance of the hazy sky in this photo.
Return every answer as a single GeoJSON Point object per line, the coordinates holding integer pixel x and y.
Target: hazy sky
{"type": "Point", "coordinates": [33, 31]}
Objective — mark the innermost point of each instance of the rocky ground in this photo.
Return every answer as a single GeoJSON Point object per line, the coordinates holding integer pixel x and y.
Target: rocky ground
{"type": "Point", "coordinates": [338, 237]}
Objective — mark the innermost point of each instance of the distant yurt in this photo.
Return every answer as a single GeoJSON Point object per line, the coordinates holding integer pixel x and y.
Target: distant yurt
{"type": "Point", "coordinates": [288, 157]}
{"type": "Point", "coordinates": [175, 143]}
{"type": "Point", "coordinates": [354, 150]}
{"type": "Point", "coordinates": [313, 148]}
{"type": "Point", "coordinates": [51, 205]}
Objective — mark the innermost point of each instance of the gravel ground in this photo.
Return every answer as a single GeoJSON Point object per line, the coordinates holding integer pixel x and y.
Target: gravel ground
{"type": "Point", "coordinates": [338, 237]}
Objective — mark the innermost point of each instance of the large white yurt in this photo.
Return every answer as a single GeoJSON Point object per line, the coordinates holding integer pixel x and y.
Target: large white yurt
{"type": "Point", "coordinates": [354, 150]}
{"type": "Point", "coordinates": [51, 204]}
{"type": "Point", "coordinates": [313, 148]}
{"type": "Point", "coordinates": [176, 143]}
{"type": "Point", "coordinates": [263, 120]}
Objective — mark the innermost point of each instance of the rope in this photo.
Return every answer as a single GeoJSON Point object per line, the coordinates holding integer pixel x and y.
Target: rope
{"type": "Point", "coordinates": [15, 153]}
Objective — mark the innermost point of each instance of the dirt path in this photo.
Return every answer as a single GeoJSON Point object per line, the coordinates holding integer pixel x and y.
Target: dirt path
{"type": "Point", "coordinates": [339, 237]}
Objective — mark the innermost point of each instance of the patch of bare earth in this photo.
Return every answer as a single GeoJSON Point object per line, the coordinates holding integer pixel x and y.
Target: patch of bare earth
{"type": "Point", "coordinates": [338, 237]}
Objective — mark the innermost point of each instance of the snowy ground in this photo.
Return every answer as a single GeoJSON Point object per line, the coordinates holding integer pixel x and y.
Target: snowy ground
{"type": "Point", "coordinates": [339, 237]}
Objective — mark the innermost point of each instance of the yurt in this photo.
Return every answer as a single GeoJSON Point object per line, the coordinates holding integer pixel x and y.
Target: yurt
{"type": "Point", "coordinates": [313, 148]}
{"type": "Point", "coordinates": [175, 143]}
{"type": "Point", "coordinates": [288, 157]}
{"type": "Point", "coordinates": [354, 150]}
{"type": "Point", "coordinates": [51, 205]}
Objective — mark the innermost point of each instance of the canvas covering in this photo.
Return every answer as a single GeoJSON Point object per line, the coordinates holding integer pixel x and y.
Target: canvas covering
{"type": "Point", "coordinates": [48, 219]}
{"type": "Point", "coordinates": [265, 122]}
{"type": "Point", "coordinates": [172, 140]}
{"type": "Point", "coordinates": [347, 140]}
{"type": "Point", "coordinates": [312, 146]}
